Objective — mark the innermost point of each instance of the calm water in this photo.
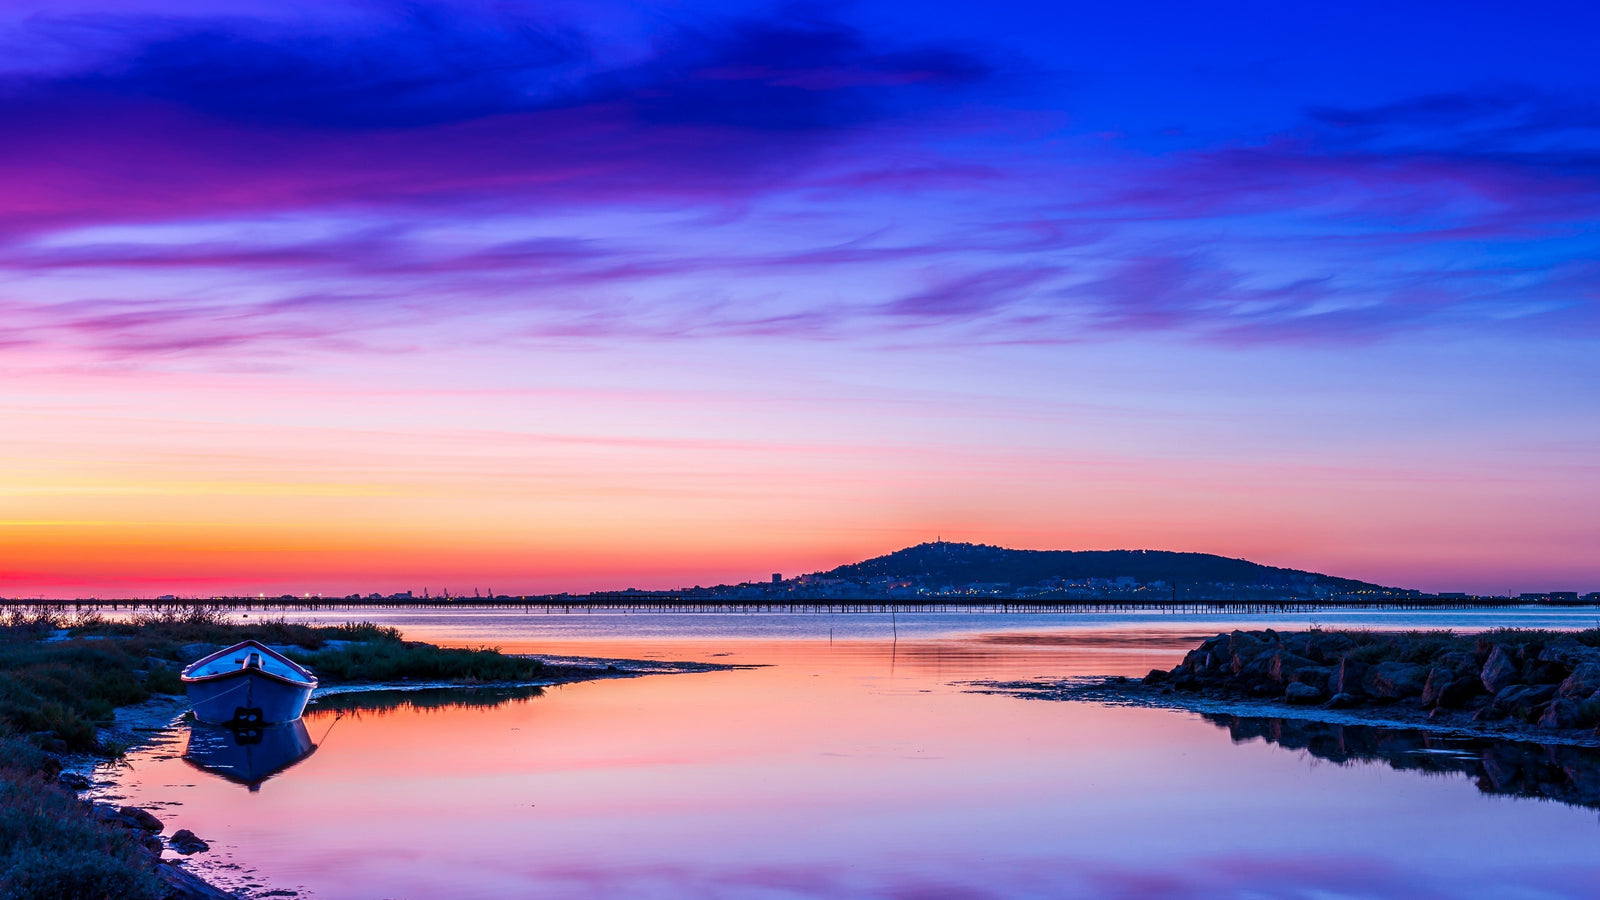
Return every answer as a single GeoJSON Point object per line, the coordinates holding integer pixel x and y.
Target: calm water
{"type": "Point", "coordinates": [856, 765]}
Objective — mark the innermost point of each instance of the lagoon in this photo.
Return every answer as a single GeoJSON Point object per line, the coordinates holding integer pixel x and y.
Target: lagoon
{"type": "Point", "coordinates": [851, 758]}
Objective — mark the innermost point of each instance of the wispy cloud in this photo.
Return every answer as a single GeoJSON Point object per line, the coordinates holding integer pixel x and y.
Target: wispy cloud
{"type": "Point", "coordinates": [812, 180]}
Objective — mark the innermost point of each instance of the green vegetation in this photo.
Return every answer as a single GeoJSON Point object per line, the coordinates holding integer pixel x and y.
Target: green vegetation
{"type": "Point", "coordinates": [393, 660]}
{"type": "Point", "coordinates": [62, 677]}
{"type": "Point", "coordinates": [50, 848]}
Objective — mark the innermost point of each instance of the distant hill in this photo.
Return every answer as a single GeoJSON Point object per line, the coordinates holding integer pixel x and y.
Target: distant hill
{"type": "Point", "coordinates": [967, 563]}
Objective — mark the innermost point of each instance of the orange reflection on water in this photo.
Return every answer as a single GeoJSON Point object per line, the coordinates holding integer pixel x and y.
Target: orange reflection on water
{"type": "Point", "coordinates": [857, 768]}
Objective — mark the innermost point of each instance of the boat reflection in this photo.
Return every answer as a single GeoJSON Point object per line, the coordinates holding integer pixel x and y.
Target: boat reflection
{"type": "Point", "coordinates": [1565, 774]}
{"type": "Point", "coordinates": [248, 756]}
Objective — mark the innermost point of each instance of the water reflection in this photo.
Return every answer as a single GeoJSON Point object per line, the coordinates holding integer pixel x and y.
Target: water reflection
{"type": "Point", "coordinates": [1565, 774]}
{"type": "Point", "coordinates": [387, 701]}
{"type": "Point", "coordinates": [248, 756]}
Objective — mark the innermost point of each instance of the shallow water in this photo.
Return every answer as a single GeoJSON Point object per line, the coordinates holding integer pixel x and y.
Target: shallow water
{"type": "Point", "coordinates": [854, 764]}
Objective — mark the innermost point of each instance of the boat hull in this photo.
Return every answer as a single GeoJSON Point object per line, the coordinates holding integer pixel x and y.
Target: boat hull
{"type": "Point", "coordinates": [247, 697]}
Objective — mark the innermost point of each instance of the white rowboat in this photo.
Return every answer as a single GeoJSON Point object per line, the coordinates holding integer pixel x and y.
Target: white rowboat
{"type": "Point", "coordinates": [248, 684]}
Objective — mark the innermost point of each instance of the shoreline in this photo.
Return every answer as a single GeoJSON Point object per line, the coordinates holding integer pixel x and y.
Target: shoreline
{"type": "Point", "coordinates": [1507, 684]}
{"type": "Point", "coordinates": [1118, 690]}
{"type": "Point", "coordinates": [141, 725]}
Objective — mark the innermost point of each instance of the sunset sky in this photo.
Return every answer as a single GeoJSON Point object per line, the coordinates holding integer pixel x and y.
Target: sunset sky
{"type": "Point", "coordinates": [579, 295]}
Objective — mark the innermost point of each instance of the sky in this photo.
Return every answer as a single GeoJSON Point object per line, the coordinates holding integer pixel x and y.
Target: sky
{"type": "Point", "coordinates": [517, 297]}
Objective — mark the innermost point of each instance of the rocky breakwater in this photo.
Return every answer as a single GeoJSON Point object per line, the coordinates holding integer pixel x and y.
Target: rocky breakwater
{"type": "Point", "coordinates": [1509, 680]}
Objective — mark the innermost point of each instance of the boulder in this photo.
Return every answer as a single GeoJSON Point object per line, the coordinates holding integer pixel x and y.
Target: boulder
{"type": "Point", "coordinates": [1210, 655]}
{"type": "Point", "coordinates": [187, 842]}
{"type": "Point", "coordinates": [105, 812]}
{"type": "Point", "coordinates": [1157, 676]}
{"type": "Point", "coordinates": [1439, 678]}
{"type": "Point", "coordinates": [1243, 646]}
{"type": "Point", "coordinates": [1560, 714]}
{"type": "Point", "coordinates": [1520, 700]}
{"type": "Point", "coordinates": [1328, 646]}
{"type": "Point", "coordinates": [1459, 663]}
{"type": "Point", "coordinates": [1582, 683]}
{"type": "Point", "coordinates": [73, 781]}
{"type": "Point", "coordinates": [1301, 694]}
{"type": "Point", "coordinates": [1460, 691]}
{"type": "Point", "coordinates": [1316, 676]}
{"type": "Point", "coordinates": [1535, 671]}
{"type": "Point", "coordinates": [181, 884]}
{"type": "Point", "coordinates": [1348, 677]}
{"type": "Point", "coordinates": [1342, 701]}
{"type": "Point", "coordinates": [140, 818]}
{"type": "Point", "coordinates": [1282, 666]}
{"type": "Point", "coordinates": [1395, 680]}
{"type": "Point", "coordinates": [1569, 653]}
{"type": "Point", "coordinates": [1257, 670]}
{"type": "Point", "coordinates": [1500, 670]}
{"type": "Point", "coordinates": [191, 652]}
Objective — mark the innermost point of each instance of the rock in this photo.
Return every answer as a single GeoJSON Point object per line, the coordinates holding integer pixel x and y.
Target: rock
{"type": "Point", "coordinates": [1282, 665]}
{"type": "Point", "coordinates": [1210, 656]}
{"type": "Point", "coordinates": [1500, 670]}
{"type": "Point", "coordinates": [1460, 691]}
{"type": "Point", "coordinates": [1560, 714]}
{"type": "Point", "coordinates": [185, 885]}
{"type": "Point", "coordinates": [1316, 676]}
{"type": "Point", "coordinates": [187, 842]}
{"type": "Point", "coordinates": [1342, 701]}
{"type": "Point", "coordinates": [73, 781]}
{"type": "Point", "coordinates": [1520, 700]}
{"type": "Point", "coordinates": [1569, 653]}
{"type": "Point", "coordinates": [1243, 646]}
{"type": "Point", "coordinates": [140, 818]}
{"type": "Point", "coordinates": [152, 844]}
{"type": "Point", "coordinates": [1327, 646]}
{"type": "Point", "coordinates": [1536, 672]}
{"type": "Point", "coordinates": [1348, 678]}
{"type": "Point", "coordinates": [1395, 680]}
{"type": "Point", "coordinates": [1439, 678]}
{"type": "Point", "coordinates": [1301, 694]}
{"type": "Point", "coordinates": [1157, 676]}
{"type": "Point", "coordinates": [1582, 683]}
{"type": "Point", "coordinates": [1257, 670]}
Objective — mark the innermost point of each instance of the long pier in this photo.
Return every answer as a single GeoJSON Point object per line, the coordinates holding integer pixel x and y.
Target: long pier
{"type": "Point", "coordinates": [700, 603]}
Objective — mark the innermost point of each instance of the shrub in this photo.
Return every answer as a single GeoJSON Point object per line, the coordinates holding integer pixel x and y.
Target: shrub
{"type": "Point", "coordinates": [393, 660]}
{"type": "Point", "coordinates": [162, 680]}
{"type": "Point", "coordinates": [50, 849]}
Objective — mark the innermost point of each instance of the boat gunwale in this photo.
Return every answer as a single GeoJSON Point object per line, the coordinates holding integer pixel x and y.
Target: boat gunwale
{"type": "Point", "coordinates": [310, 679]}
